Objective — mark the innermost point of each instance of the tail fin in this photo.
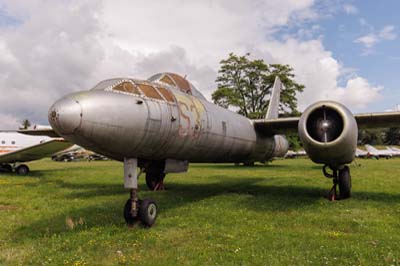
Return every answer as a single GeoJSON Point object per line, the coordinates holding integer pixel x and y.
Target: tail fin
{"type": "Point", "coordinates": [273, 107]}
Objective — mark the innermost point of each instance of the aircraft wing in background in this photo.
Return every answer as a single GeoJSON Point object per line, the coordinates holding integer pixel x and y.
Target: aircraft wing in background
{"type": "Point", "coordinates": [35, 152]}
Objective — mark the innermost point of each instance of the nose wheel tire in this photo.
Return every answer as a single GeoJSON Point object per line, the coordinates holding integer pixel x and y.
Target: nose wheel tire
{"type": "Point", "coordinates": [148, 212]}
{"type": "Point", "coordinates": [146, 215]}
{"type": "Point", "coordinates": [22, 169]}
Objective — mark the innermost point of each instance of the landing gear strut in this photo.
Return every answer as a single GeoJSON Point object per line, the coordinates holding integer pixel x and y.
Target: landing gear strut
{"type": "Point", "coordinates": [341, 177]}
{"type": "Point", "coordinates": [137, 210]}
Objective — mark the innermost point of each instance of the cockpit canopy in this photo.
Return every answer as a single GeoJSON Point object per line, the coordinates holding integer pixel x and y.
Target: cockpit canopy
{"type": "Point", "coordinates": [178, 82]}
{"type": "Point", "coordinates": [163, 79]}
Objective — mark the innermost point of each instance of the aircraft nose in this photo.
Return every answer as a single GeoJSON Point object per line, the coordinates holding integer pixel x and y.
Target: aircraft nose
{"type": "Point", "coordinates": [65, 115]}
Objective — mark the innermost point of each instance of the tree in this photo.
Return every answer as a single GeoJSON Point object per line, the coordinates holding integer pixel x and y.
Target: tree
{"type": "Point", "coordinates": [25, 124]}
{"type": "Point", "coordinates": [392, 136]}
{"type": "Point", "coordinates": [370, 136]}
{"type": "Point", "coordinates": [244, 84]}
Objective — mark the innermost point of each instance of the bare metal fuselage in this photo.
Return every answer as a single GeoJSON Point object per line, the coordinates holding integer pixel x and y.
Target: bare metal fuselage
{"type": "Point", "coordinates": [122, 125]}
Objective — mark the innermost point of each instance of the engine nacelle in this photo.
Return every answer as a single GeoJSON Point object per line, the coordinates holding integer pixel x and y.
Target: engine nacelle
{"type": "Point", "coordinates": [329, 133]}
{"type": "Point", "coordinates": [281, 146]}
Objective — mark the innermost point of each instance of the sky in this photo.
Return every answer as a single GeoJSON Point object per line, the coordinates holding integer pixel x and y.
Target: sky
{"type": "Point", "coordinates": [341, 50]}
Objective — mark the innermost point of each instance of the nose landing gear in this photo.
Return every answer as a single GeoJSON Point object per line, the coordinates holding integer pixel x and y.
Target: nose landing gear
{"type": "Point", "coordinates": [341, 177]}
{"type": "Point", "coordinates": [137, 210]}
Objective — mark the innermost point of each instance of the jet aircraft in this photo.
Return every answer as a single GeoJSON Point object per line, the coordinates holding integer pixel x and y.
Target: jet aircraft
{"type": "Point", "coordinates": [395, 151]}
{"type": "Point", "coordinates": [361, 153]}
{"type": "Point", "coordinates": [374, 152]}
{"type": "Point", "coordinates": [161, 124]}
{"type": "Point", "coordinates": [16, 148]}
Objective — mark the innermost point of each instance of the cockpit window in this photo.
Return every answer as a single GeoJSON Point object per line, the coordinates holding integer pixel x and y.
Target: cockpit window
{"type": "Point", "coordinates": [149, 91]}
{"type": "Point", "coordinates": [181, 82]}
{"type": "Point", "coordinates": [168, 80]}
{"type": "Point", "coordinates": [177, 81]}
{"type": "Point", "coordinates": [167, 94]}
{"type": "Point", "coordinates": [126, 86]}
{"type": "Point", "coordinates": [106, 83]}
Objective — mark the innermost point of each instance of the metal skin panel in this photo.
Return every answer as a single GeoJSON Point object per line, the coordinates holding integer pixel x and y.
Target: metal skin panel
{"type": "Point", "coordinates": [121, 125]}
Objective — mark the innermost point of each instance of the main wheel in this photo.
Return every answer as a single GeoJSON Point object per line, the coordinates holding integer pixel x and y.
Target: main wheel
{"type": "Point", "coordinates": [129, 219]}
{"type": "Point", "coordinates": [22, 169]}
{"type": "Point", "coordinates": [148, 212]}
{"type": "Point", "coordinates": [153, 178]}
{"type": "Point", "coordinates": [345, 183]}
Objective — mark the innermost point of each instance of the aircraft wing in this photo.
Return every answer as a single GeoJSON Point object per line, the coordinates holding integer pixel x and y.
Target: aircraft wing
{"type": "Point", "coordinates": [35, 152]}
{"type": "Point", "coordinates": [378, 120]}
{"type": "Point", "coordinates": [40, 132]}
{"type": "Point", "coordinates": [290, 124]}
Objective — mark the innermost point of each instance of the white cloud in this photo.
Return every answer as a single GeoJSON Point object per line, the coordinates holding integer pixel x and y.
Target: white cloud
{"type": "Point", "coordinates": [387, 33]}
{"type": "Point", "coordinates": [9, 122]}
{"type": "Point", "coordinates": [357, 93]}
{"type": "Point", "coordinates": [370, 40]}
{"type": "Point", "coordinates": [64, 46]}
{"type": "Point", "coordinates": [350, 9]}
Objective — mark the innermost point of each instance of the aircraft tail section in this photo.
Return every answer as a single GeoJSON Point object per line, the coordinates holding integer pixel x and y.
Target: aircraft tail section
{"type": "Point", "coordinates": [273, 108]}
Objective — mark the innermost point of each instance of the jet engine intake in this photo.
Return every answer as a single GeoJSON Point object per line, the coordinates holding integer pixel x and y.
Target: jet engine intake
{"type": "Point", "coordinates": [328, 131]}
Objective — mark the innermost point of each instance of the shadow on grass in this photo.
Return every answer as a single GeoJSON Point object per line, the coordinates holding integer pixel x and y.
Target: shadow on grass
{"type": "Point", "coordinates": [106, 213]}
{"type": "Point", "coordinates": [234, 167]}
{"type": "Point", "coordinates": [259, 197]}
{"type": "Point", "coordinates": [34, 173]}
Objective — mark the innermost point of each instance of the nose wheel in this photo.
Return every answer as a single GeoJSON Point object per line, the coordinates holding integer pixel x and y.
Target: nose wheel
{"type": "Point", "coordinates": [140, 211]}
{"type": "Point", "coordinates": [137, 210]}
{"type": "Point", "coordinates": [341, 178]}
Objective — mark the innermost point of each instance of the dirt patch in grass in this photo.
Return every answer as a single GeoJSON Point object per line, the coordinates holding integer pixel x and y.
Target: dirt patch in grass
{"type": "Point", "coordinates": [7, 207]}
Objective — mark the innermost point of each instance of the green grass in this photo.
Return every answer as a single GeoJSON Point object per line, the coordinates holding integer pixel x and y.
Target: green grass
{"type": "Point", "coordinates": [71, 214]}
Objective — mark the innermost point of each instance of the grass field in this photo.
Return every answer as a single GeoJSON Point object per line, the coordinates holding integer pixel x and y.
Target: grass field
{"type": "Point", "coordinates": [71, 214]}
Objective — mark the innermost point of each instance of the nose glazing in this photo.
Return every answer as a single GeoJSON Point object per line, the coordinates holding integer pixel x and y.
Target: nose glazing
{"type": "Point", "coordinates": [65, 115]}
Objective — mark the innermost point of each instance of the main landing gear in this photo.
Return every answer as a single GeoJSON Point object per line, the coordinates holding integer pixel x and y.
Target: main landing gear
{"type": "Point", "coordinates": [341, 177]}
{"type": "Point", "coordinates": [21, 169]}
{"type": "Point", "coordinates": [137, 210]}
{"type": "Point", "coordinates": [155, 176]}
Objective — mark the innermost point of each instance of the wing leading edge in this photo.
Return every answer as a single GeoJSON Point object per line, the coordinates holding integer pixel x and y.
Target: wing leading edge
{"type": "Point", "coordinates": [35, 152]}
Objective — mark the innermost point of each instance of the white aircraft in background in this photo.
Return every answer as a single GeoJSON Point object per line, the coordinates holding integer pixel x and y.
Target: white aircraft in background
{"type": "Point", "coordinates": [394, 150]}
{"type": "Point", "coordinates": [294, 154]}
{"type": "Point", "coordinates": [373, 152]}
{"type": "Point", "coordinates": [16, 148]}
{"type": "Point", "coordinates": [361, 153]}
